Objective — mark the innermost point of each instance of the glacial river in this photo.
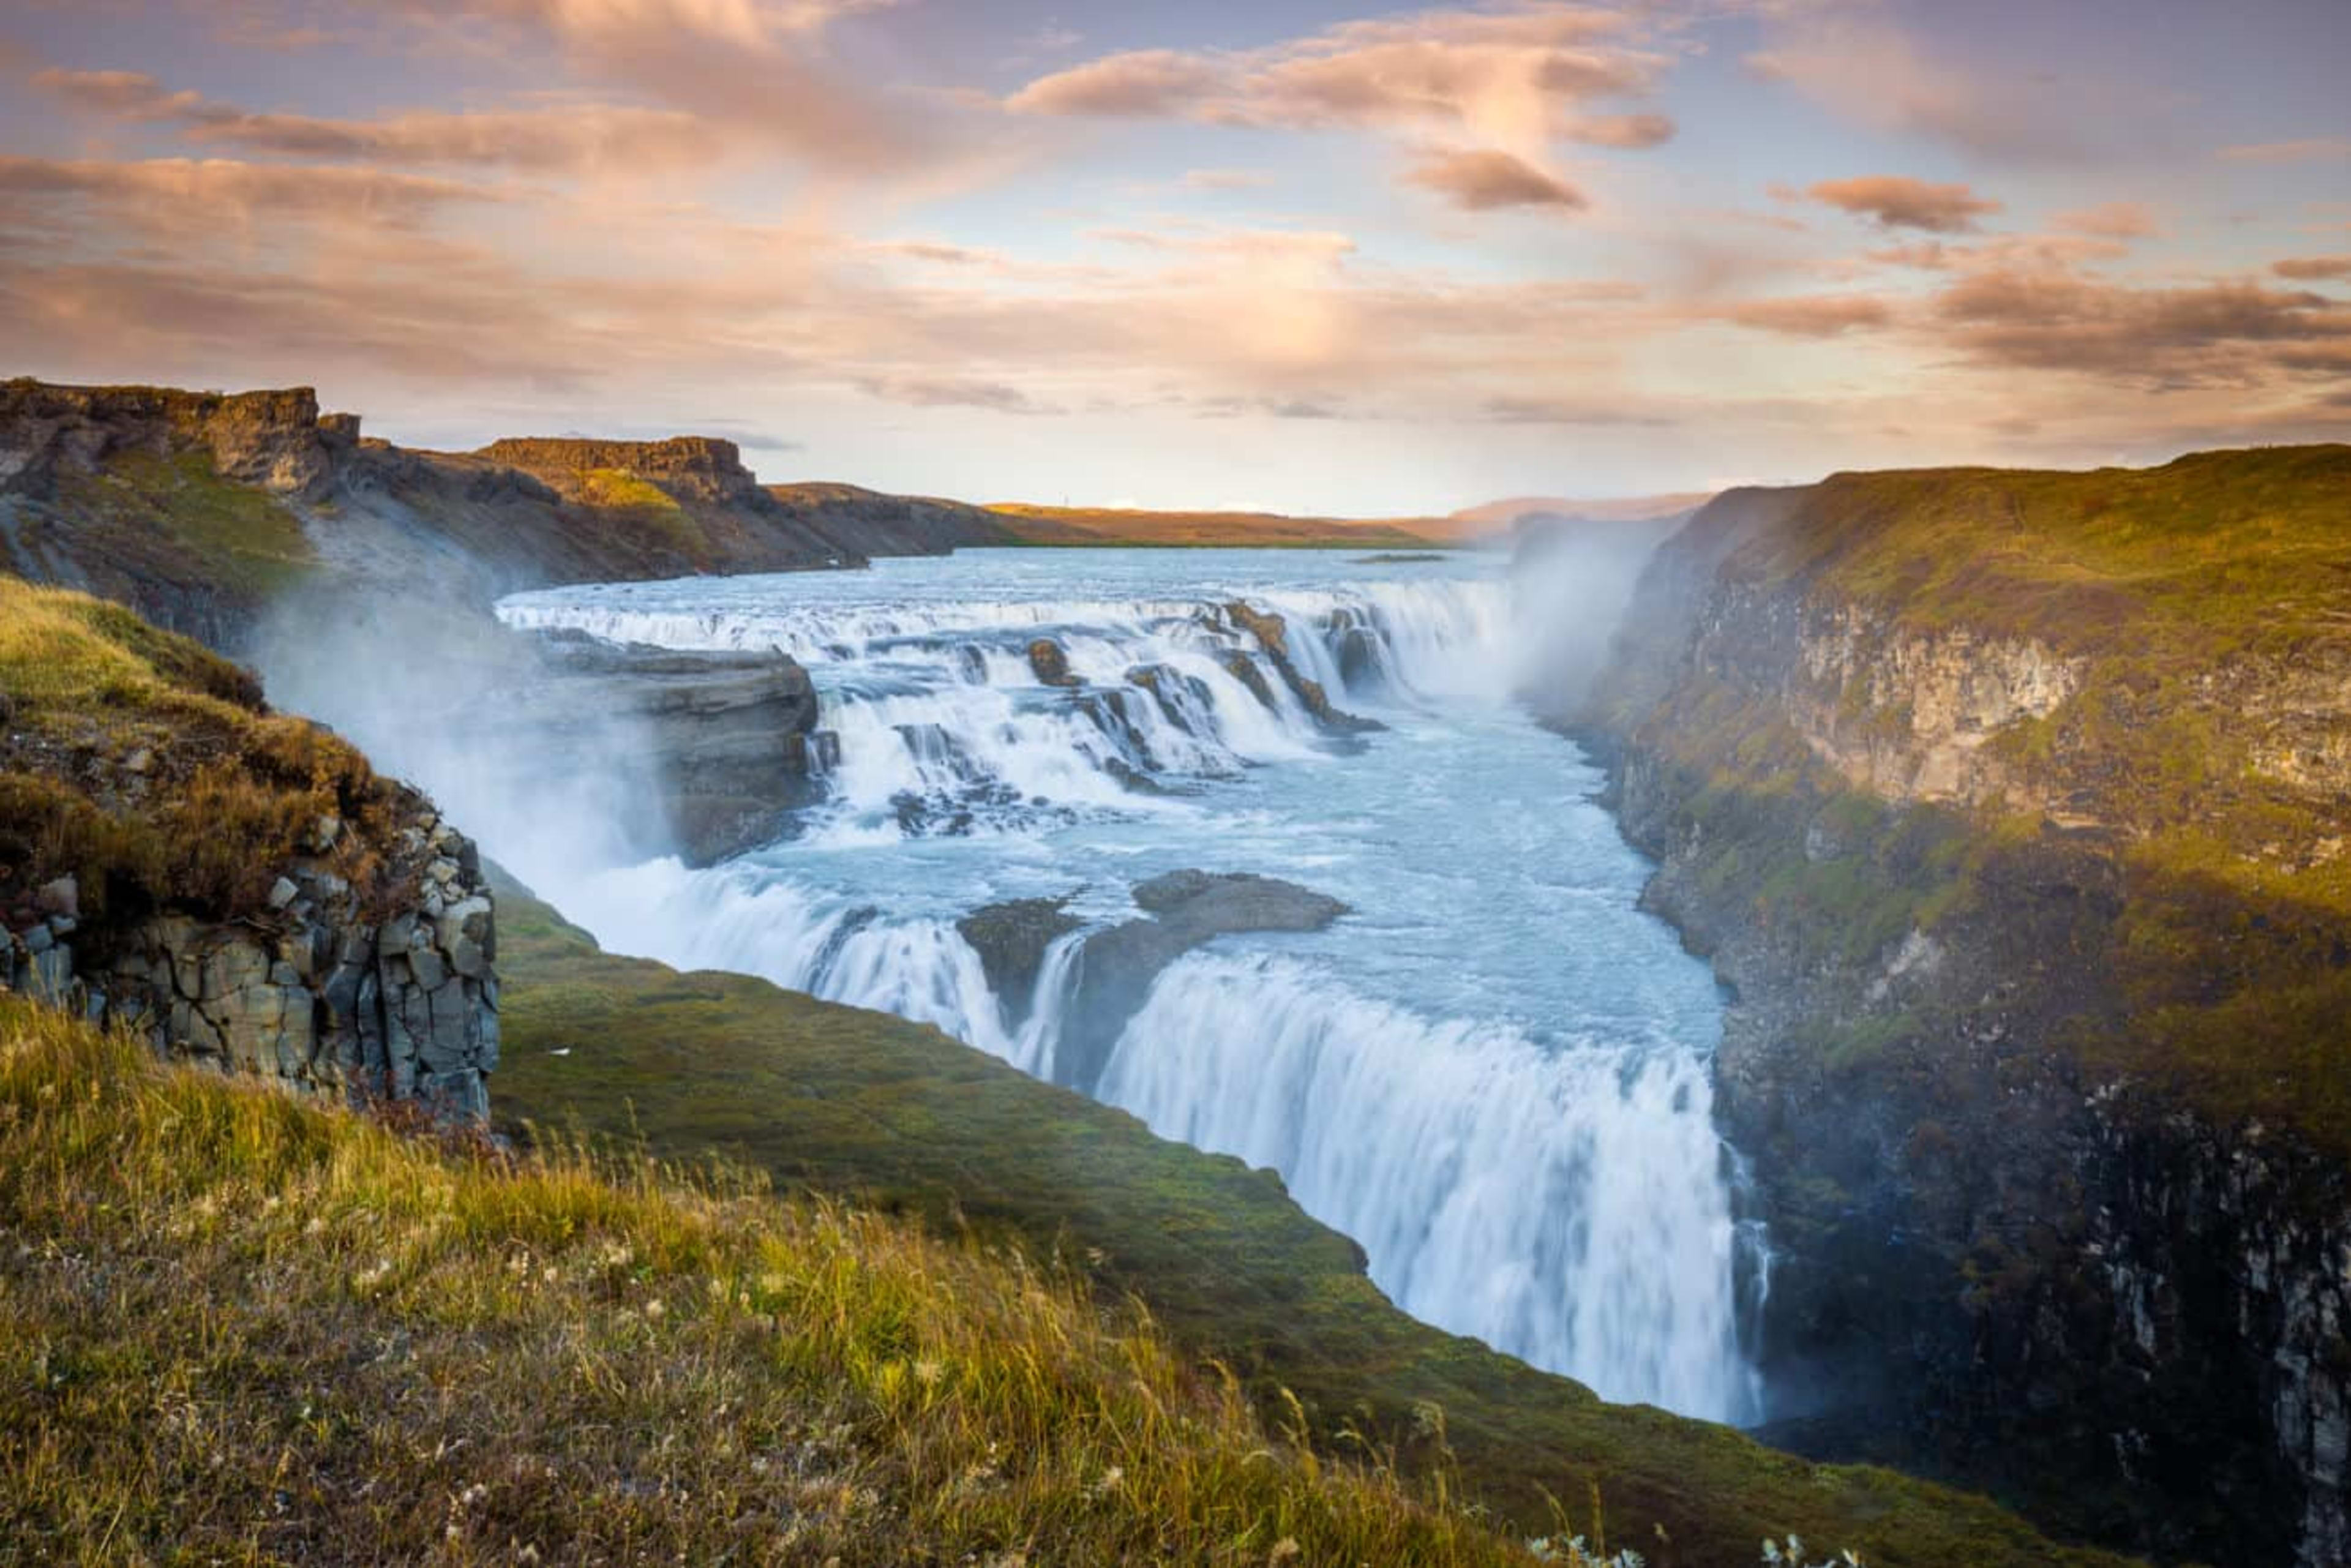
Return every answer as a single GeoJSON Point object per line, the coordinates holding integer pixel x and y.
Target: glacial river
{"type": "Point", "coordinates": [1493, 1072]}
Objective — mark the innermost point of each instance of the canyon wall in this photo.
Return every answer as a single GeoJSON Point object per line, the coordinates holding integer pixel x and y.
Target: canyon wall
{"type": "Point", "coordinates": [2019, 841]}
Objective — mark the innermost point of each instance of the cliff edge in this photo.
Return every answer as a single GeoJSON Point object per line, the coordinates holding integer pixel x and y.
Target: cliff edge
{"type": "Point", "coordinates": [2015, 809]}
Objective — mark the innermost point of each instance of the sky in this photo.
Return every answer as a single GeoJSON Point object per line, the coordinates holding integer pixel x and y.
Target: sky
{"type": "Point", "coordinates": [1312, 256]}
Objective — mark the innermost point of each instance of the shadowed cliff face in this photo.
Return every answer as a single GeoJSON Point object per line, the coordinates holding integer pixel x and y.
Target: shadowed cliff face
{"type": "Point", "coordinates": [2012, 807]}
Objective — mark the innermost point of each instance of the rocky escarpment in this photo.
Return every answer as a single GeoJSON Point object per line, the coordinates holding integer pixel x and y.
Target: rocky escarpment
{"type": "Point", "coordinates": [2011, 808]}
{"type": "Point", "coordinates": [729, 737]}
{"type": "Point", "coordinates": [387, 997]}
{"type": "Point", "coordinates": [201, 509]}
{"type": "Point", "coordinates": [235, 886]}
{"type": "Point", "coordinates": [182, 505]}
{"type": "Point", "coordinates": [275, 440]}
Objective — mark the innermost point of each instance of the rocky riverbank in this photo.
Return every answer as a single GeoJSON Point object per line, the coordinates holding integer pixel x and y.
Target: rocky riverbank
{"type": "Point", "coordinates": [2012, 809]}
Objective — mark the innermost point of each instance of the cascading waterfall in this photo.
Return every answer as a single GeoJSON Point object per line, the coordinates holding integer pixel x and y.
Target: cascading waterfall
{"type": "Point", "coordinates": [1566, 1204]}
{"type": "Point", "coordinates": [1494, 1075]}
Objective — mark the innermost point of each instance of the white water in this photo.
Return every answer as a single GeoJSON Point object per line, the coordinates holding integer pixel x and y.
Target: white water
{"type": "Point", "coordinates": [1493, 1073]}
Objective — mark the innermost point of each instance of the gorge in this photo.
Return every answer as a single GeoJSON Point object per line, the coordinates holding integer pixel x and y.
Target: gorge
{"type": "Point", "coordinates": [1858, 963]}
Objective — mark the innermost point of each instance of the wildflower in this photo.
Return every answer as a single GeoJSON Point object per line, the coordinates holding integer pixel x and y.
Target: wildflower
{"type": "Point", "coordinates": [928, 1372]}
{"type": "Point", "coordinates": [654, 1308]}
{"type": "Point", "coordinates": [1284, 1550]}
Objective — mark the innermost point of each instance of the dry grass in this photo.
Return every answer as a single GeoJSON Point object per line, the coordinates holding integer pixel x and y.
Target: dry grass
{"type": "Point", "coordinates": [223, 797]}
{"type": "Point", "coordinates": [238, 1327]}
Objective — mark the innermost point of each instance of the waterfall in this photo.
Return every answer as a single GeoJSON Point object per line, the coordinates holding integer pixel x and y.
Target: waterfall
{"type": "Point", "coordinates": [1497, 1084]}
{"type": "Point", "coordinates": [1567, 1205]}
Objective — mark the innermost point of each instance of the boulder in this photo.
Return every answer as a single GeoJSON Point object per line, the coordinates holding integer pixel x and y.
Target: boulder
{"type": "Point", "coordinates": [1184, 910]}
{"type": "Point", "coordinates": [1011, 939]}
{"type": "Point", "coordinates": [1051, 663]}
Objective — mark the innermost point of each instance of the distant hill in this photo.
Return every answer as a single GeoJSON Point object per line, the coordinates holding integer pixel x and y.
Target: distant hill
{"type": "Point", "coordinates": [1500, 517]}
{"type": "Point", "coordinates": [1107, 526]}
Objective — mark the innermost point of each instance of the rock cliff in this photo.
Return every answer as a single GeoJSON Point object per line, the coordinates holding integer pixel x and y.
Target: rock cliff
{"type": "Point", "coordinates": [2012, 809]}
{"type": "Point", "coordinates": [237, 887]}
{"type": "Point", "coordinates": [201, 509]}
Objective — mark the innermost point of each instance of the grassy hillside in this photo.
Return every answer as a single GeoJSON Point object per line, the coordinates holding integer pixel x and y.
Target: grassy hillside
{"type": "Point", "coordinates": [150, 768]}
{"type": "Point", "coordinates": [830, 1099]}
{"type": "Point", "coordinates": [238, 1328]}
{"type": "Point", "coordinates": [1098, 525]}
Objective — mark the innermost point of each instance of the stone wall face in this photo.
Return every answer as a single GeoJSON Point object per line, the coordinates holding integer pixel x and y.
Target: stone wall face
{"type": "Point", "coordinates": [324, 996]}
{"type": "Point", "coordinates": [1994, 1261]}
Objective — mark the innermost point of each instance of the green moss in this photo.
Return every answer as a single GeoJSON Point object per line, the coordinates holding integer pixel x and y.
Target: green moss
{"type": "Point", "coordinates": [177, 512]}
{"type": "Point", "coordinates": [630, 500]}
{"type": "Point", "coordinates": [833, 1099]}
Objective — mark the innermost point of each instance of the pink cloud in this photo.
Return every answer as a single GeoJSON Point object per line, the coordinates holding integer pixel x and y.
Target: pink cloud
{"type": "Point", "coordinates": [1896, 200]}
{"type": "Point", "coordinates": [1485, 180]}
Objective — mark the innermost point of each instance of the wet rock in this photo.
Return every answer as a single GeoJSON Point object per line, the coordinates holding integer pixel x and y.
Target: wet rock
{"type": "Point", "coordinates": [1272, 635]}
{"type": "Point", "coordinates": [1185, 909]}
{"type": "Point", "coordinates": [727, 741]}
{"type": "Point", "coordinates": [1051, 663]}
{"type": "Point", "coordinates": [1011, 939]}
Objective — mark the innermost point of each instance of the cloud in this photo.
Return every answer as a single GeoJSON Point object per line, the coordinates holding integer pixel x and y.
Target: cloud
{"type": "Point", "coordinates": [1896, 200]}
{"type": "Point", "coordinates": [1225, 179]}
{"type": "Point", "coordinates": [168, 191]}
{"type": "Point", "coordinates": [1821, 316]}
{"type": "Point", "coordinates": [1859, 64]}
{"type": "Point", "coordinates": [1515, 410]}
{"type": "Point", "coordinates": [952, 392]}
{"type": "Point", "coordinates": [754, 68]}
{"type": "Point", "coordinates": [2224, 333]}
{"type": "Point", "coordinates": [2314, 149]}
{"type": "Point", "coordinates": [1515, 79]}
{"type": "Point", "coordinates": [1144, 84]}
{"type": "Point", "coordinates": [2110, 220]}
{"type": "Point", "coordinates": [2313, 268]}
{"type": "Point", "coordinates": [566, 139]}
{"type": "Point", "coordinates": [1485, 180]}
{"type": "Point", "coordinates": [1630, 130]}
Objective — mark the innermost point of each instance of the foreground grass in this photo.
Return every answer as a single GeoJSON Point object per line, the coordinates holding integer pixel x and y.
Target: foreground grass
{"type": "Point", "coordinates": [838, 1100]}
{"type": "Point", "coordinates": [235, 1327]}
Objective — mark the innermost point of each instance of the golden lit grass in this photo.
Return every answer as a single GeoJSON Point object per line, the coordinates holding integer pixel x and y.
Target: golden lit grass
{"type": "Point", "coordinates": [647, 506]}
{"type": "Point", "coordinates": [228, 790]}
{"type": "Point", "coordinates": [239, 1327]}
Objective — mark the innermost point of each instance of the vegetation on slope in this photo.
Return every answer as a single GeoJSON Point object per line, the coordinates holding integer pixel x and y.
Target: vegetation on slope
{"type": "Point", "coordinates": [236, 1327]}
{"type": "Point", "coordinates": [2213, 892]}
{"type": "Point", "coordinates": [148, 769]}
{"type": "Point", "coordinates": [170, 529]}
{"type": "Point", "coordinates": [832, 1099]}
{"type": "Point", "coordinates": [1104, 527]}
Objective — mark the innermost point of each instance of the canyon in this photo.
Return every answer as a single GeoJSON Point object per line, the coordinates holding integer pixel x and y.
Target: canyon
{"type": "Point", "coordinates": [2007, 809]}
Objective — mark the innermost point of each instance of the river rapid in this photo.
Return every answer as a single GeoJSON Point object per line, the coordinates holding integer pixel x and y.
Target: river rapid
{"type": "Point", "coordinates": [1494, 1072]}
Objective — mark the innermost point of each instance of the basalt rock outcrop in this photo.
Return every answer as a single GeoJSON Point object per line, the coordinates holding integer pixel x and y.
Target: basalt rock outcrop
{"type": "Point", "coordinates": [1271, 633]}
{"type": "Point", "coordinates": [275, 440]}
{"type": "Point", "coordinates": [729, 737]}
{"type": "Point", "coordinates": [2011, 810]}
{"type": "Point", "coordinates": [203, 510]}
{"type": "Point", "coordinates": [237, 887]}
{"type": "Point", "coordinates": [1012, 939]}
{"type": "Point", "coordinates": [1182, 910]}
